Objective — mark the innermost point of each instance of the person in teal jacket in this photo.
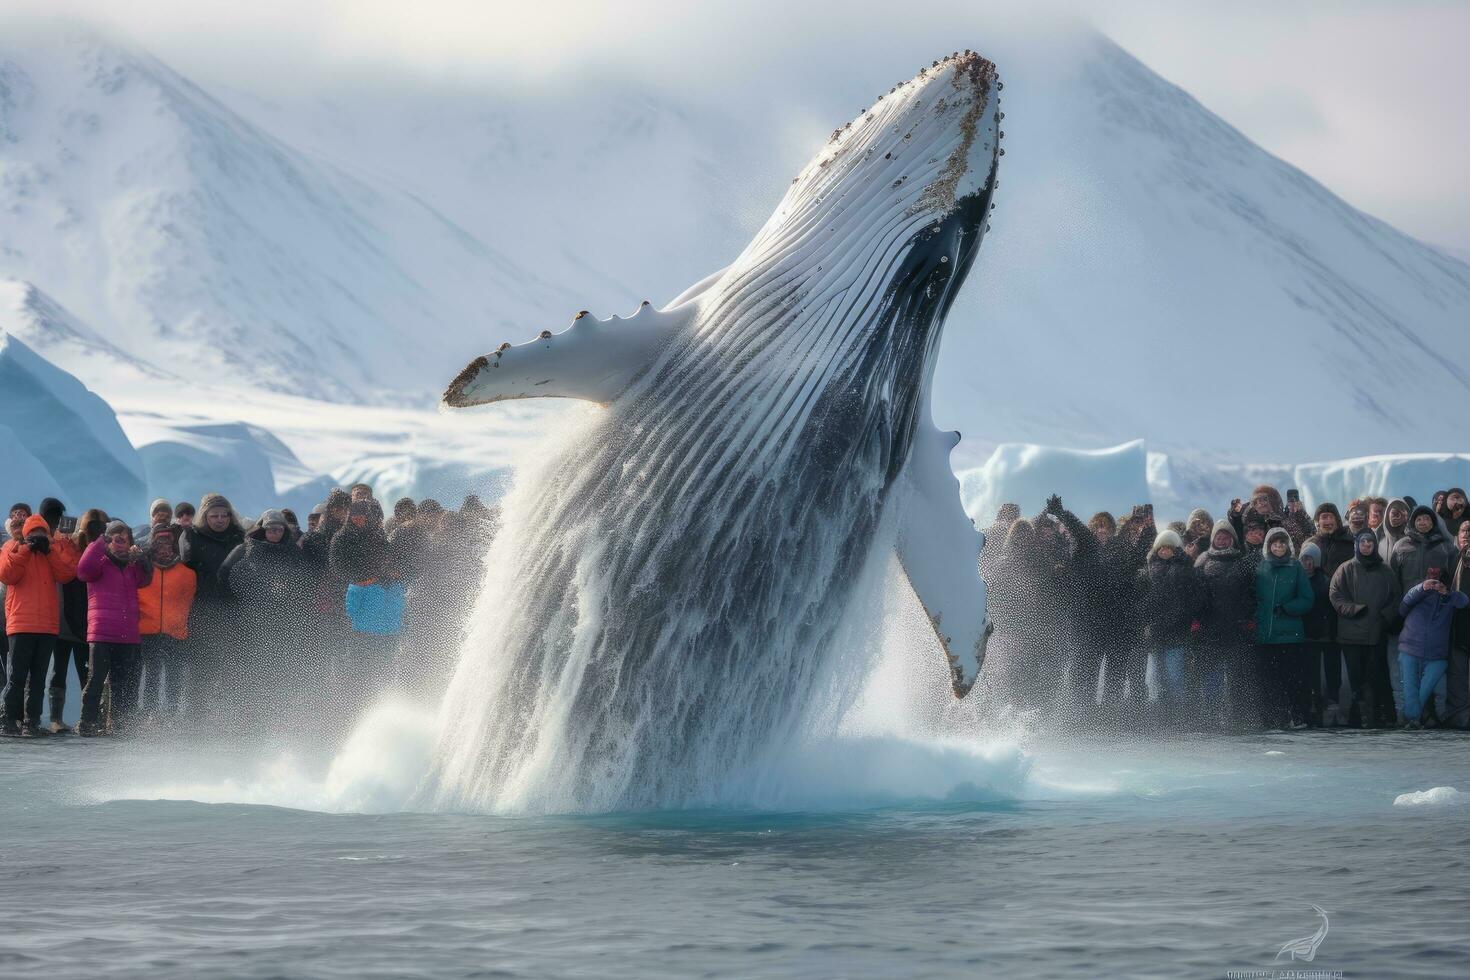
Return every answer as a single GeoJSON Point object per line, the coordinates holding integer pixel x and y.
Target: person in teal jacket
{"type": "Point", "coordinates": [1283, 597]}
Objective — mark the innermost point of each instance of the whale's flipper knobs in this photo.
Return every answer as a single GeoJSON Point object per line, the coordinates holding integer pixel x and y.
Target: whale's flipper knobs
{"type": "Point", "coordinates": [545, 335]}
{"type": "Point", "coordinates": [580, 314]}
{"type": "Point", "coordinates": [503, 347]}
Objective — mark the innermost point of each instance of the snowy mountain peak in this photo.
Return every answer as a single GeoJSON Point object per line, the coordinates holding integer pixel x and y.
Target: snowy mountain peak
{"type": "Point", "coordinates": [195, 240]}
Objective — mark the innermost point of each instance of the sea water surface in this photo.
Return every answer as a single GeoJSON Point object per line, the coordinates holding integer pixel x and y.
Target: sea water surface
{"type": "Point", "coordinates": [1184, 857]}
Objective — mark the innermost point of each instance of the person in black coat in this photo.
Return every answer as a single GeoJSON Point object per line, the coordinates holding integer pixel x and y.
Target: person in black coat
{"type": "Point", "coordinates": [213, 645]}
{"type": "Point", "coordinates": [272, 581]}
{"type": "Point", "coordinates": [1457, 677]}
{"type": "Point", "coordinates": [1319, 628]}
{"type": "Point", "coordinates": [1169, 598]}
{"type": "Point", "coordinates": [1333, 540]}
{"type": "Point", "coordinates": [1227, 624]}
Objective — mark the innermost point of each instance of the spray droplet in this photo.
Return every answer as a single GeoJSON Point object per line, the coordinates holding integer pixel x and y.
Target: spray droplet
{"type": "Point", "coordinates": [943, 258]}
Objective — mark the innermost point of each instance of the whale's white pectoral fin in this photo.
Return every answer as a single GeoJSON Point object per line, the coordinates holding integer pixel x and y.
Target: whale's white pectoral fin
{"type": "Point", "coordinates": [593, 360]}
{"type": "Point", "coordinates": [939, 549]}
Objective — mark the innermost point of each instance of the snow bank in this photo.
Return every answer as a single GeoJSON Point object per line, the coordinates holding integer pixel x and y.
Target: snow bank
{"type": "Point", "coordinates": [246, 463]}
{"type": "Point", "coordinates": [1417, 475]}
{"type": "Point", "coordinates": [71, 432]}
{"type": "Point", "coordinates": [1088, 480]}
{"type": "Point", "coordinates": [1438, 796]}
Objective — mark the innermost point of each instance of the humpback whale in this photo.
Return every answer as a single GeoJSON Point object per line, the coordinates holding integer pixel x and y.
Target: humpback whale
{"type": "Point", "coordinates": [678, 586]}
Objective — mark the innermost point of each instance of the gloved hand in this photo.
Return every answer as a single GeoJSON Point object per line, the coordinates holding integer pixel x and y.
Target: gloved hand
{"type": "Point", "coordinates": [39, 542]}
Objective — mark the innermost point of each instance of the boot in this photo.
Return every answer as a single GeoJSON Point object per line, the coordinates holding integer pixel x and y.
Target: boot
{"type": "Point", "coordinates": [58, 704]}
{"type": "Point", "coordinates": [32, 730]}
{"type": "Point", "coordinates": [9, 727]}
{"type": "Point", "coordinates": [87, 729]}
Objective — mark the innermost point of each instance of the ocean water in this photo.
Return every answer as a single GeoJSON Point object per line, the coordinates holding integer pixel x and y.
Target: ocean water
{"type": "Point", "coordinates": [1185, 857]}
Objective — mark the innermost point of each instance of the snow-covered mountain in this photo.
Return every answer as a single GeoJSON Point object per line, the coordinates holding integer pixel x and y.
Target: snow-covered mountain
{"type": "Point", "coordinates": [212, 258]}
{"type": "Point", "coordinates": [200, 244]}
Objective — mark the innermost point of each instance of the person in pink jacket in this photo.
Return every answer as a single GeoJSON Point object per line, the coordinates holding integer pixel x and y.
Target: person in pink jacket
{"type": "Point", "coordinates": [114, 570]}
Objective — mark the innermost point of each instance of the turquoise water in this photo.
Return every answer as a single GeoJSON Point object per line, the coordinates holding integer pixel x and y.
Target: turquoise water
{"type": "Point", "coordinates": [1185, 858]}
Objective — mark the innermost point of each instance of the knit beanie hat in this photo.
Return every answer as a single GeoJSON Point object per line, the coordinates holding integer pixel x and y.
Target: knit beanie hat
{"type": "Point", "coordinates": [273, 517]}
{"type": "Point", "coordinates": [115, 526]}
{"type": "Point", "coordinates": [1328, 508]}
{"type": "Point", "coordinates": [1167, 539]}
{"type": "Point", "coordinates": [1312, 553]}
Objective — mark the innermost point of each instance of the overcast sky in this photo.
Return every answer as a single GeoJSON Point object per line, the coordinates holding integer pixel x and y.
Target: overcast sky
{"type": "Point", "coordinates": [1368, 96]}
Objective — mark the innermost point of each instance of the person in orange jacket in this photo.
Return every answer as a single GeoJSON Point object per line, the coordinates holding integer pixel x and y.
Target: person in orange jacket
{"type": "Point", "coordinates": [31, 569]}
{"type": "Point", "coordinates": [163, 624]}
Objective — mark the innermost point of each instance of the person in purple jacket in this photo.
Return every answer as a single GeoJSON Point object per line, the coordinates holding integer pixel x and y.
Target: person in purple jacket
{"type": "Point", "coordinates": [1428, 611]}
{"type": "Point", "coordinates": [114, 570]}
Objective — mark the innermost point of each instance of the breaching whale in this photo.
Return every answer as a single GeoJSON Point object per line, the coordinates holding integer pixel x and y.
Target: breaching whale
{"type": "Point", "coordinates": [681, 582]}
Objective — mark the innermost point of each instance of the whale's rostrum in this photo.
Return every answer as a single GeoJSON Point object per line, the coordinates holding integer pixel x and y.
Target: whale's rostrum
{"type": "Point", "coordinates": [758, 430]}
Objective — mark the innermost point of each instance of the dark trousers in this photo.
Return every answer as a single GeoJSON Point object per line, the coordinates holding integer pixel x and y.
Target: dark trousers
{"type": "Point", "coordinates": [1368, 695]}
{"type": "Point", "coordinates": [68, 652]}
{"type": "Point", "coordinates": [1125, 664]}
{"type": "Point", "coordinates": [1457, 684]}
{"type": "Point", "coordinates": [1283, 683]}
{"type": "Point", "coordinates": [1323, 677]}
{"type": "Point", "coordinates": [1299, 670]}
{"type": "Point", "coordinates": [161, 670]}
{"type": "Point", "coordinates": [1380, 681]}
{"type": "Point", "coordinates": [117, 662]}
{"type": "Point", "coordinates": [25, 690]}
{"type": "Point", "coordinates": [1331, 672]}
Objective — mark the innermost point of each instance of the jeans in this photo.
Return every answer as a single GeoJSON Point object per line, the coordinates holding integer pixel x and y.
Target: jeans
{"type": "Point", "coordinates": [119, 663]}
{"type": "Point", "coordinates": [1420, 677]}
{"type": "Point", "coordinates": [25, 692]}
{"type": "Point", "coordinates": [1394, 672]}
{"type": "Point", "coordinates": [1172, 671]}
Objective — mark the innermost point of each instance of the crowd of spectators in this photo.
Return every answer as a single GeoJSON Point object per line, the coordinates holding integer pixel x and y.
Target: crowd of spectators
{"type": "Point", "coordinates": [1270, 616]}
{"type": "Point", "coordinates": [200, 616]}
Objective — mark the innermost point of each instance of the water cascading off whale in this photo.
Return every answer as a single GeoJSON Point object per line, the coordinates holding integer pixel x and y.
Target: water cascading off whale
{"type": "Point", "coordinates": [681, 573]}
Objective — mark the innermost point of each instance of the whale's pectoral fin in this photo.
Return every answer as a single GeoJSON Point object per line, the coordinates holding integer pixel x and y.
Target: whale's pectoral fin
{"type": "Point", "coordinates": [593, 360]}
{"type": "Point", "coordinates": [939, 549]}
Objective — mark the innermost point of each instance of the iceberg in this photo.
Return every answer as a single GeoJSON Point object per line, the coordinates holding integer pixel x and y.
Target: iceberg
{"type": "Point", "coordinates": [69, 431]}
{"type": "Point", "coordinates": [1088, 481]}
{"type": "Point", "coordinates": [1416, 474]}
